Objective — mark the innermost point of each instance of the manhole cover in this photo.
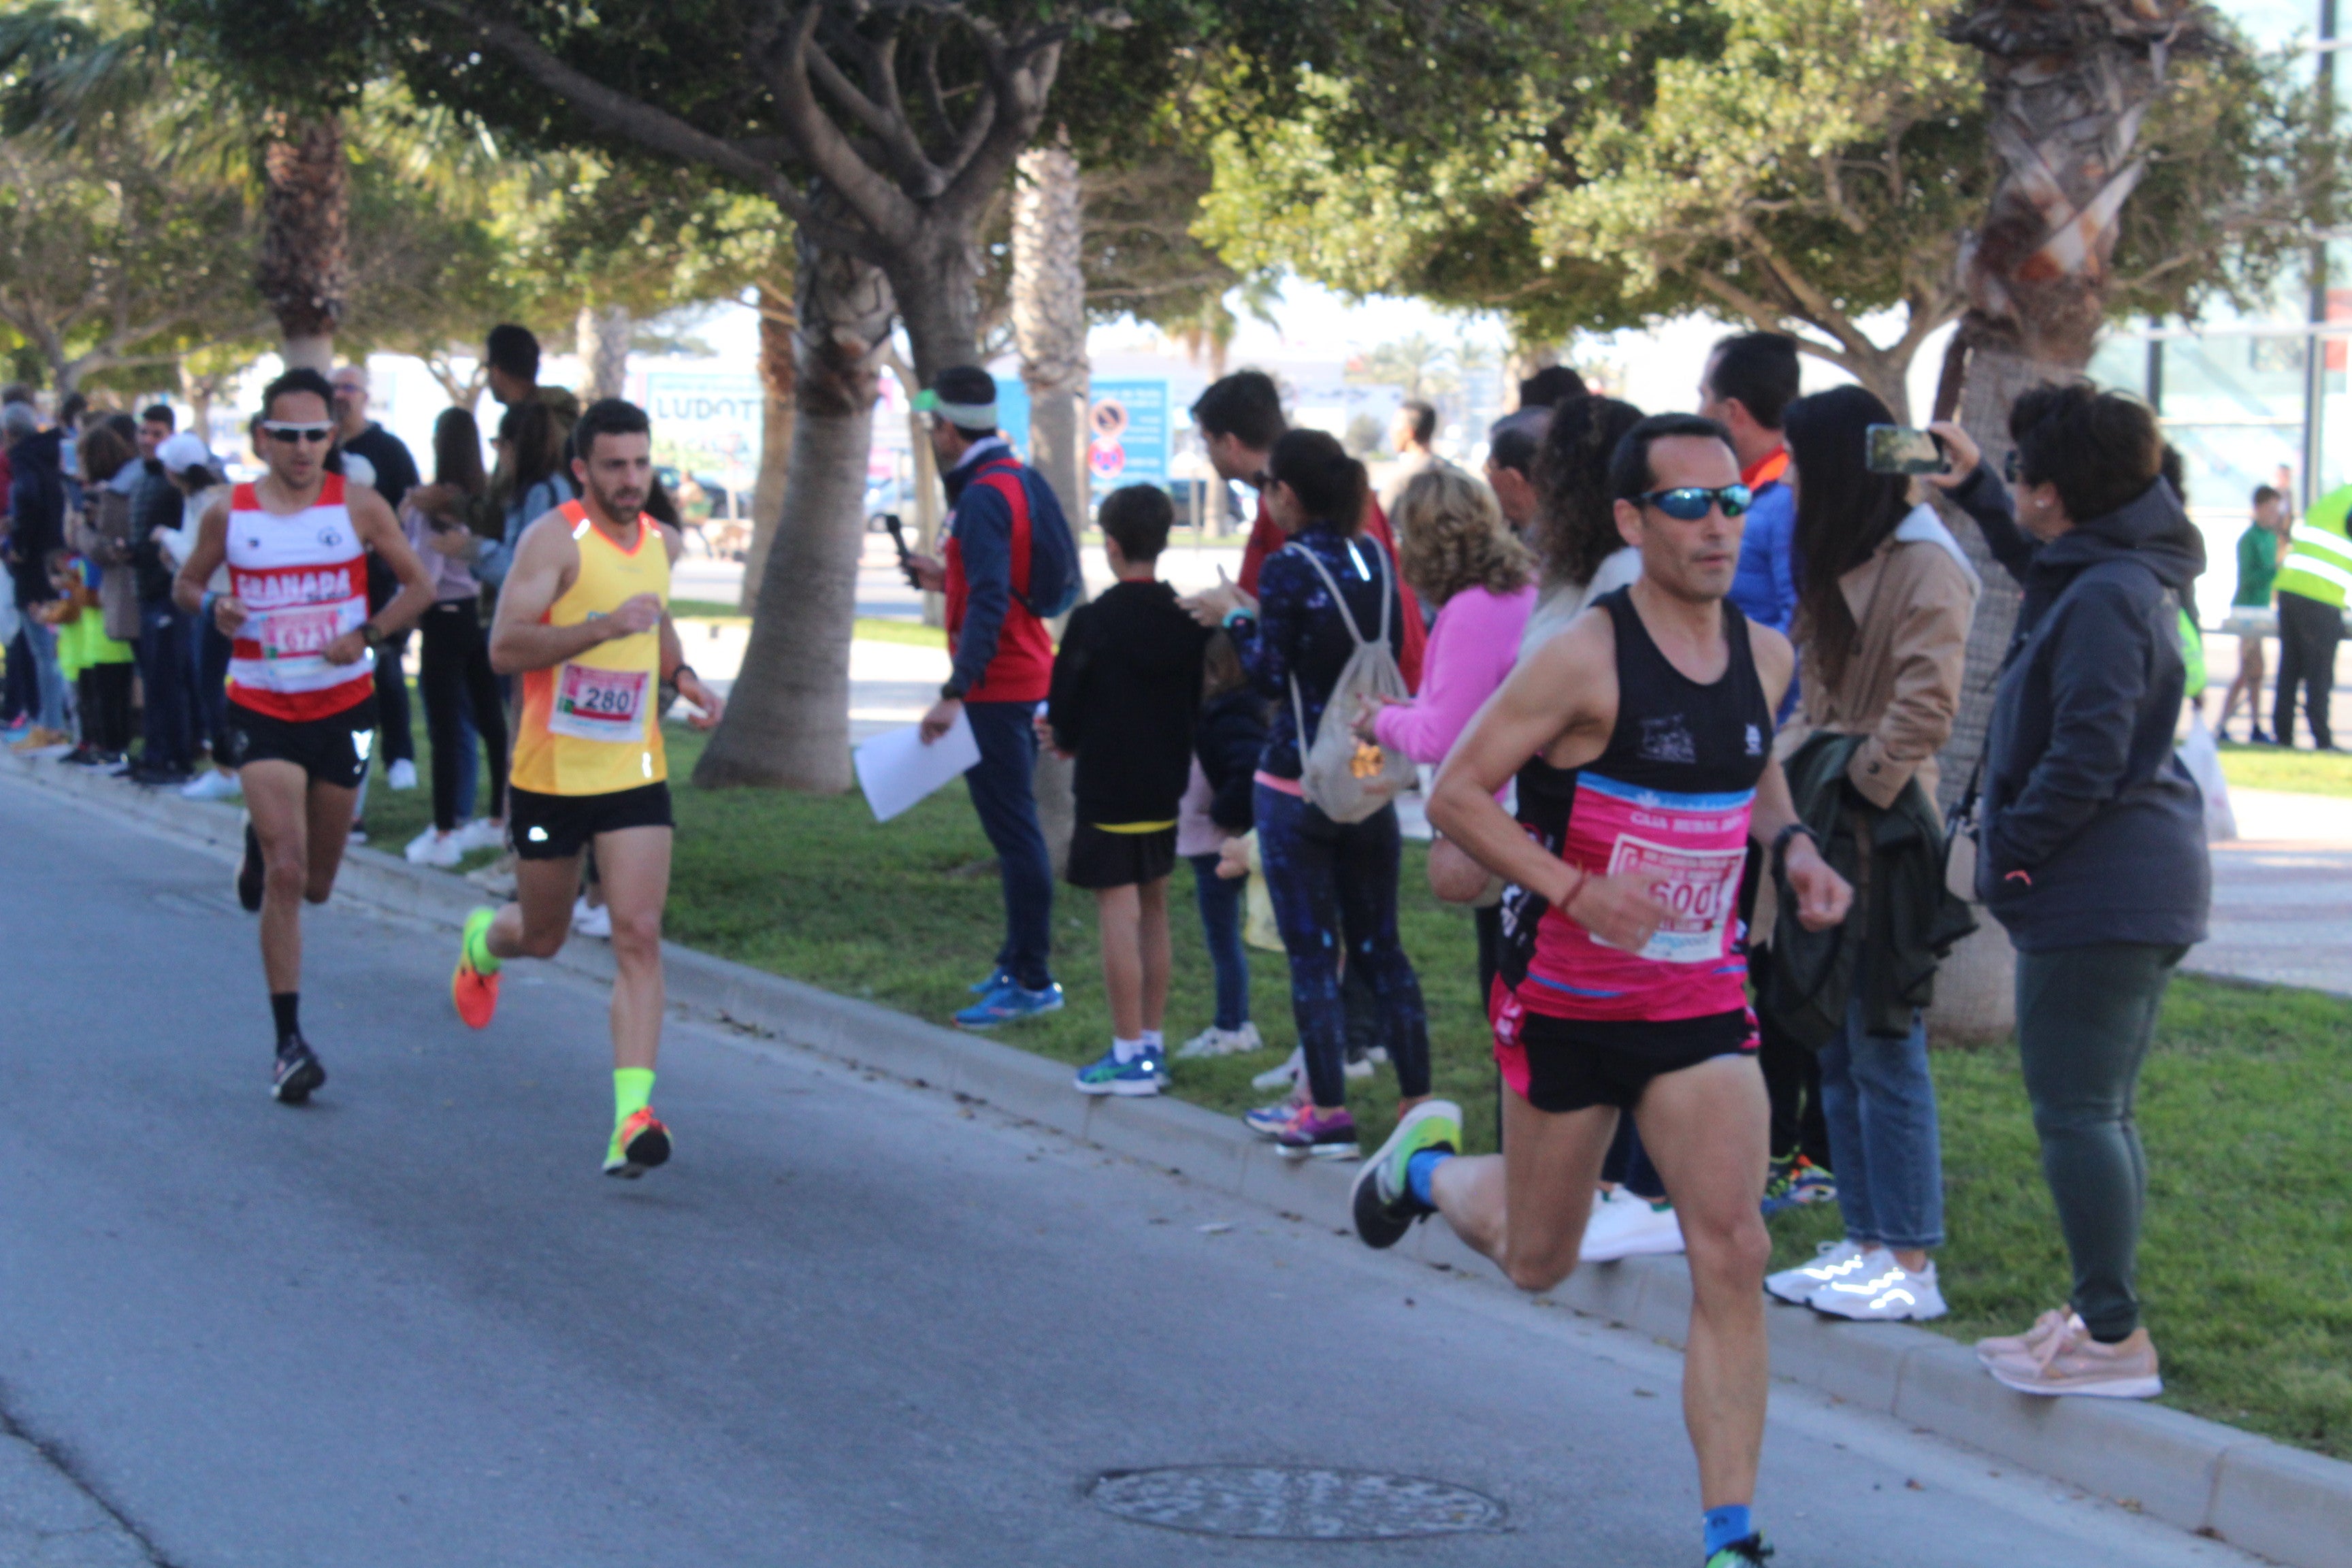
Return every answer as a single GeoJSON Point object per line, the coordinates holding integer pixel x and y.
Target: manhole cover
{"type": "Point", "coordinates": [1272, 1502]}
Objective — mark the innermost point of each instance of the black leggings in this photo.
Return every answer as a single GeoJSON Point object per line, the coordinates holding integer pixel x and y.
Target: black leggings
{"type": "Point", "coordinates": [454, 674]}
{"type": "Point", "coordinates": [106, 707]}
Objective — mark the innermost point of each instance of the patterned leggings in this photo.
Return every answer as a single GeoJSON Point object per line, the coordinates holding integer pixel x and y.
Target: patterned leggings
{"type": "Point", "coordinates": [1331, 881]}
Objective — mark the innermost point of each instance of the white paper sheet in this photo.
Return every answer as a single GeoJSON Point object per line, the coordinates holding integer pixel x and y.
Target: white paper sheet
{"type": "Point", "coordinates": [895, 769]}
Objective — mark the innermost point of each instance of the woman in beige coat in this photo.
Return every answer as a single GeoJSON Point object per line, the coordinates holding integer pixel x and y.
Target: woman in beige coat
{"type": "Point", "coordinates": [1885, 599]}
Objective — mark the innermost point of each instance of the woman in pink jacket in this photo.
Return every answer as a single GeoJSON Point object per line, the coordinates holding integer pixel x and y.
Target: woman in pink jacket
{"type": "Point", "coordinates": [1459, 554]}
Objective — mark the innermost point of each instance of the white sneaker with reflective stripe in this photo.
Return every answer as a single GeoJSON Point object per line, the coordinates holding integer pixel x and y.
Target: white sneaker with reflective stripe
{"type": "Point", "coordinates": [1837, 1260]}
{"type": "Point", "coordinates": [1892, 1294]}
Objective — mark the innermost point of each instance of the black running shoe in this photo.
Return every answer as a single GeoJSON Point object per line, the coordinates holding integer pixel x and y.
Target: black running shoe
{"type": "Point", "coordinates": [1382, 1203]}
{"type": "Point", "coordinates": [1750, 1554]}
{"type": "Point", "coordinates": [298, 1074]}
{"type": "Point", "coordinates": [248, 875]}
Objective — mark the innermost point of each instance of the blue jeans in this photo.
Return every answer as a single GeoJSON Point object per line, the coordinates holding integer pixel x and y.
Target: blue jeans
{"type": "Point", "coordinates": [1330, 882]}
{"type": "Point", "coordinates": [1221, 931]}
{"type": "Point", "coordinates": [1880, 1102]}
{"type": "Point", "coordinates": [1003, 793]}
{"type": "Point", "coordinates": [163, 675]}
{"type": "Point", "coordinates": [48, 675]}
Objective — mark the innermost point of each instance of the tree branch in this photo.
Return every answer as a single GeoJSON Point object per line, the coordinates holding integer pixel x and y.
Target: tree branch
{"type": "Point", "coordinates": [885, 121]}
{"type": "Point", "coordinates": [877, 204]}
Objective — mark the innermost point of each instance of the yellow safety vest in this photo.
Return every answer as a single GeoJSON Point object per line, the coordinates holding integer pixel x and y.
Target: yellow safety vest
{"type": "Point", "coordinates": [2319, 564]}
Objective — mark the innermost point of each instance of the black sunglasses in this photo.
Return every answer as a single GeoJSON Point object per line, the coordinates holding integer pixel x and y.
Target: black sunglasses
{"type": "Point", "coordinates": [2009, 466]}
{"type": "Point", "coordinates": [1688, 503]}
{"type": "Point", "coordinates": [291, 434]}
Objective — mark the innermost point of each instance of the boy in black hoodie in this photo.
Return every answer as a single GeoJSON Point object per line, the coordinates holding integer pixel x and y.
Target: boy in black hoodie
{"type": "Point", "coordinates": [1126, 686]}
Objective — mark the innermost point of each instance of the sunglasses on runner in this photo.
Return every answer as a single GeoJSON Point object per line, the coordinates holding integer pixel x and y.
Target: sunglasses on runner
{"type": "Point", "coordinates": [1689, 503]}
{"type": "Point", "coordinates": [289, 434]}
{"type": "Point", "coordinates": [2010, 467]}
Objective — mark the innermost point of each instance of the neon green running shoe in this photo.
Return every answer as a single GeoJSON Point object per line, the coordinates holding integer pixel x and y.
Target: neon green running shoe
{"type": "Point", "coordinates": [1383, 1203]}
{"type": "Point", "coordinates": [1750, 1554]}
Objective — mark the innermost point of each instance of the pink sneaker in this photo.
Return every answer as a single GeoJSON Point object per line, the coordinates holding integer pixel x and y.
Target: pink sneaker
{"type": "Point", "coordinates": [2072, 1362]}
{"type": "Point", "coordinates": [1313, 1134]}
{"type": "Point", "coordinates": [2056, 1320]}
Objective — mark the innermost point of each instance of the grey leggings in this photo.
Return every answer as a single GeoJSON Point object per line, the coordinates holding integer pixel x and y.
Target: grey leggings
{"type": "Point", "coordinates": [2084, 1018]}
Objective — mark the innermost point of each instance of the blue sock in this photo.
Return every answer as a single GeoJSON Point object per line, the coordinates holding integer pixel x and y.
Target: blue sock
{"type": "Point", "coordinates": [1420, 1168]}
{"type": "Point", "coordinates": [1726, 1525]}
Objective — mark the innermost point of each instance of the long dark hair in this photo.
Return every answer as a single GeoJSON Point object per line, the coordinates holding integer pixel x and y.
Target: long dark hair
{"type": "Point", "coordinates": [1844, 512]}
{"type": "Point", "coordinates": [1576, 519]}
{"type": "Point", "coordinates": [534, 448]}
{"type": "Point", "coordinates": [1327, 482]}
{"type": "Point", "coordinates": [458, 452]}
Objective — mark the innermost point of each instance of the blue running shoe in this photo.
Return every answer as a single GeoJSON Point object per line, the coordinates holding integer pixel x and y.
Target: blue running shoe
{"type": "Point", "coordinates": [990, 982]}
{"type": "Point", "coordinates": [1268, 1120]}
{"type": "Point", "coordinates": [1144, 1074]}
{"type": "Point", "coordinates": [1008, 1004]}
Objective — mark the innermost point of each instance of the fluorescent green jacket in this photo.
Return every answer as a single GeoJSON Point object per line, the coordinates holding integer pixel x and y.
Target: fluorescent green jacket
{"type": "Point", "coordinates": [2319, 564]}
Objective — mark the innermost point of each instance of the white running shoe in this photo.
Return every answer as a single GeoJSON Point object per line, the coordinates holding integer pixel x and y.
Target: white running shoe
{"type": "Point", "coordinates": [589, 919]}
{"type": "Point", "coordinates": [1836, 1260]}
{"type": "Point", "coordinates": [1892, 1295]}
{"type": "Point", "coordinates": [481, 832]}
{"type": "Point", "coordinates": [212, 785]}
{"type": "Point", "coordinates": [401, 775]}
{"type": "Point", "coordinates": [1215, 1042]}
{"type": "Point", "coordinates": [432, 848]}
{"type": "Point", "coordinates": [1624, 1224]}
{"type": "Point", "coordinates": [1292, 1072]}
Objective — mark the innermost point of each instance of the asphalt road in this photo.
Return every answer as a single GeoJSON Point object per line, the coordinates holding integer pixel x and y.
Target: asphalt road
{"type": "Point", "coordinates": [853, 1322]}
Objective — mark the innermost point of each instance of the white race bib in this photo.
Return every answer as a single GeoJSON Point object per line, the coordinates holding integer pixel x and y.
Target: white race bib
{"type": "Point", "coordinates": [292, 638]}
{"type": "Point", "coordinates": [594, 704]}
{"type": "Point", "coordinates": [1700, 887]}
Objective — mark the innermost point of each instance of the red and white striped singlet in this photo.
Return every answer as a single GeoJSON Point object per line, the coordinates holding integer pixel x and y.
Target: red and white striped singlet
{"type": "Point", "coordinates": [303, 576]}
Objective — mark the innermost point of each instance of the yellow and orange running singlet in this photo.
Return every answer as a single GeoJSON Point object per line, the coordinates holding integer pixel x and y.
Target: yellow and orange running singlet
{"type": "Point", "coordinates": [589, 724]}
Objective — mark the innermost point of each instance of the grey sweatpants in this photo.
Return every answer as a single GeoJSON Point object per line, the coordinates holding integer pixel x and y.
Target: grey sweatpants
{"type": "Point", "coordinates": [2084, 1018]}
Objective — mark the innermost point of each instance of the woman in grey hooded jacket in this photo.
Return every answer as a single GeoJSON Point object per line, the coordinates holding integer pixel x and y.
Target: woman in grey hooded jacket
{"type": "Point", "coordinates": [2092, 839]}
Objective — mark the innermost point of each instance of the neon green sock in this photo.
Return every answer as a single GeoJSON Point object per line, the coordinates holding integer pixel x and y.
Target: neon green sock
{"type": "Point", "coordinates": [632, 1089]}
{"type": "Point", "coordinates": [477, 941]}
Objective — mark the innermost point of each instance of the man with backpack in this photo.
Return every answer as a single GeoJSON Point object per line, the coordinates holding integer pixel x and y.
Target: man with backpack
{"type": "Point", "coordinates": [1007, 565]}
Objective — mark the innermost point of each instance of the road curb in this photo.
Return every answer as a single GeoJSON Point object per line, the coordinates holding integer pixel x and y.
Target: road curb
{"type": "Point", "coordinates": [2265, 1496]}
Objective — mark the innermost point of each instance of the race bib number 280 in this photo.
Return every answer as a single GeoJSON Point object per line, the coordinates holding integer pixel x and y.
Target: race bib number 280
{"type": "Point", "coordinates": [1700, 887]}
{"type": "Point", "coordinates": [594, 704]}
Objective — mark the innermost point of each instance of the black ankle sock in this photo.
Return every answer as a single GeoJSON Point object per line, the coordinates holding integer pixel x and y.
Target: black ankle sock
{"type": "Point", "coordinates": [286, 1007]}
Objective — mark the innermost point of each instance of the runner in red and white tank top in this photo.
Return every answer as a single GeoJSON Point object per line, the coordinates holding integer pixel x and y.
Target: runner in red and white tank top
{"type": "Point", "coordinates": [1641, 736]}
{"type": "Point", "coordinates": [301, 682]}
{"type": "Point", "coordinates": [303, 578]}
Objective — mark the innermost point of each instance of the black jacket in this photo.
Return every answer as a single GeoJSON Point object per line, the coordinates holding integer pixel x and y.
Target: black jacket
{"type": "Point", "coordinates": [1232, 734]}
{"type": "Point", "coordinates": [157, 502]}
{"type": "Point", "coordinates": [1127, 689]}
{"type": "Point", "coordinates": [2092, 830]}
{"type": "Point", "coordinates": [36, 512]}
{"type": "Point", "coordinates": [1903, 920]}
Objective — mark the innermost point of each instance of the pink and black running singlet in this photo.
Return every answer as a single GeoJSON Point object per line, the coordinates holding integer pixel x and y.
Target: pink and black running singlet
{"type": "Point", "coordinates": [1668, 799]}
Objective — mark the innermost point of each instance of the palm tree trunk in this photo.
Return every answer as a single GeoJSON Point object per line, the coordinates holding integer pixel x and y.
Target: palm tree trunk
{"type": "Point", "coordinates": [604, 334]}
{"type": "Point", "coordinates": [1049, 326]}
{"type": "Point", "coordinates": [305, 206]}
{"type": "Point", "coordinates": [787, 720]}
{"type": "Point", "coordinates": [777, 326]}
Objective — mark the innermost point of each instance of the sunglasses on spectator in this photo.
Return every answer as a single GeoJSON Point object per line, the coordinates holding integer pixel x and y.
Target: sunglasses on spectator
{"type": "Point", "coordinates": [291, 434]}
{"type": "Point", "coordinates": [1690, 502]}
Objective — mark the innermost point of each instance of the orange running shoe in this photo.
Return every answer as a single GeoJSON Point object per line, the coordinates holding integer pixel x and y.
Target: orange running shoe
{"type": "Point", "coordinates": [638, 1145]}
{"type": "Point", "coordinates": [475, 993]}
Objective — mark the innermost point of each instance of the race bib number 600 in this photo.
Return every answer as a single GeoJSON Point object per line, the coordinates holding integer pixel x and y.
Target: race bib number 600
{"type": "Point", "coordinates": [1700, 887]}
{"type": "Point", "coordinates": [594, 704]}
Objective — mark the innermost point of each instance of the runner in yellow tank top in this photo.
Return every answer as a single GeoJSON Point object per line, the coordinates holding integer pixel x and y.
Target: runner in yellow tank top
{"type": "Point", "coordinates": [583, 618]}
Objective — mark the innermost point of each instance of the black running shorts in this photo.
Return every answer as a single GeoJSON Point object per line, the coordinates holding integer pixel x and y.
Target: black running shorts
{"type": "Point", "coordinates": [1101, 858]}
{"type": "Point", "coordinates": [1568, 1064]}
{"type": "Point", "coordinates": [333, 749]}
{"type": "Point", "coordinates": [558, 827]}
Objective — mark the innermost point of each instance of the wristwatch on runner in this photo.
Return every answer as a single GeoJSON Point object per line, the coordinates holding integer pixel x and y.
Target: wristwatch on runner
{"type": "Point", "coordinates": [1781, 841]}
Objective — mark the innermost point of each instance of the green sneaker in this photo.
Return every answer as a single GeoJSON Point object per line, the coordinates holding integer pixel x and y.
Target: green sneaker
{"type": "Point", "coordinates": [1750, 1554]}
{"type": "Point", "coordinates": [1382, 1202]}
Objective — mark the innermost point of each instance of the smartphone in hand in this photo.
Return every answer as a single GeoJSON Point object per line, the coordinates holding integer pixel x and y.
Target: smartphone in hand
{"type": "Point", "coordinates": [1900, 450]}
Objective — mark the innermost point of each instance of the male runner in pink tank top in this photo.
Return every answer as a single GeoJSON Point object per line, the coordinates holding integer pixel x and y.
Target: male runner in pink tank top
{"type": "Point", "coordinates": [1624, 990]}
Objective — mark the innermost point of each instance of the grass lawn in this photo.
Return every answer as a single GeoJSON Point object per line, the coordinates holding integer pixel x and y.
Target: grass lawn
{"type": "Point", "coordinates": [2247, 1264]}
{"type": "Point", "coordinates": [869, 628]}
{"type": "Point", "coordinates": [2300, 773]}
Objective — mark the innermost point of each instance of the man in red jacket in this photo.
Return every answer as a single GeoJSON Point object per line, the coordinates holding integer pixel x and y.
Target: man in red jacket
{"type": "Point", "coordinates": [1240, 418]}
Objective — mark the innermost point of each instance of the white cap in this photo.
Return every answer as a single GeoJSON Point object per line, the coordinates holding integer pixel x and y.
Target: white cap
{"type": "Point", "coordinates": [182, 452]}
